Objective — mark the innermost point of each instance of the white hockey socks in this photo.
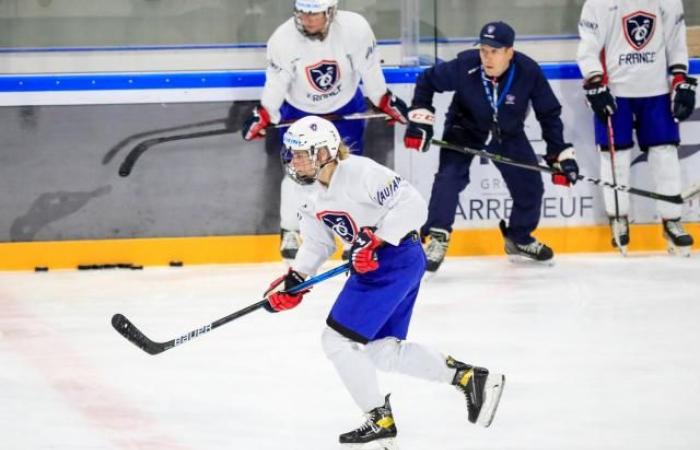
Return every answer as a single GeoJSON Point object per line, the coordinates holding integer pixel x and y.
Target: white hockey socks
{"type": "Point", "coordinates": [666, 170]}
{"type": "Point", "coordinates": [355, 368]}
{"type": "Point", "coordinates": [408, 358]}
{"type": "Point", "coordinates": [622, 177]}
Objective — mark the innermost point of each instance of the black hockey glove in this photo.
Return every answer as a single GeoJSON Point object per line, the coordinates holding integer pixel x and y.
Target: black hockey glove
{"type": "Point", "coordinates": [420, 128]}
{"type": "Point", "coordinates": [683, 96]}
{"type": "Point", "coordinates": [566, 166]}
{"type": "Point", "coordinates": [599, 98]}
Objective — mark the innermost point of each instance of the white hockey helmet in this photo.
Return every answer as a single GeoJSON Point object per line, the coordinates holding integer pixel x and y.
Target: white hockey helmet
{"type": "Point", "coordinates": [310, 134]}
{"type": "Point", "coordinates": [330, 7]}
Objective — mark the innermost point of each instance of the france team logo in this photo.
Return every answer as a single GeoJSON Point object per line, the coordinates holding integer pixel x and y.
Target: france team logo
{"type": "Point", "coordinates": [639, 28]}
{"type": "Point", "coordinates": [341, 223]}
{"type": "Point", "coordinates": [323, 75]}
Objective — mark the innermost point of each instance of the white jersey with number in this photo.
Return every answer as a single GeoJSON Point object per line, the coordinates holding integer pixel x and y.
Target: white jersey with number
{"type": "Point", "coordinates": [362, 193]}
{"type": "Point", "coordinates": [633, 42]}
{"type": "Point", "coordinates": [321, 76]}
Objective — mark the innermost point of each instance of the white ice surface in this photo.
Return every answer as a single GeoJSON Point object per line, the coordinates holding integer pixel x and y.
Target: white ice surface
{"type": "Point", "coordinates": [600, 352]}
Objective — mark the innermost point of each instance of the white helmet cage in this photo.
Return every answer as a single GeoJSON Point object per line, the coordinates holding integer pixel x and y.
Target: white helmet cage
{"type": "Point", "coordinates": [330, 7]}
{"type": "Point", "coordinates": [310, 134]}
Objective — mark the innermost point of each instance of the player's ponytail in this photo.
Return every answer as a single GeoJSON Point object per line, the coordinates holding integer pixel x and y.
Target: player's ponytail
{"type": "Point", "coordinates": [343, 152]}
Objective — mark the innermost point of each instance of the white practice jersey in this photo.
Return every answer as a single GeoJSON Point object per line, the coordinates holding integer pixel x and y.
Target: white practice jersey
{"type": "Point", "coordinates": [634, 42]}
{"type": "Point", "coordinates": [320, 77]}
{"type": "Point", "coordinates": [362, 193]}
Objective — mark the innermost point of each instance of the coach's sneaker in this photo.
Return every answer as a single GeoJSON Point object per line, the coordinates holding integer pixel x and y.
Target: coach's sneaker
{"type": "Point", "coordinates": [436, 248]}
{"type": "Point", "coordinates": [620, 231]}
{"type": "Point", "coordinates": [679, 242]}
{"type": "Point", "coordinates": [481, 388]}
{"type": "Point", "coordinates": [378, 431]}
{"type": "Point", "coordinates": [291, 241]}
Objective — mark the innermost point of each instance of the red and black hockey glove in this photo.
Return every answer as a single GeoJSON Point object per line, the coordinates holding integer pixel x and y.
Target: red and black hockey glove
{"type": "Point", "coordinates": [566, 166]}
{"type": "Point", "coordinates": [683, 90]}
{"type": "Point", "coordinates": [281, 300]}
{"type": "Point", "coordinates": [255, 125]}
{"type": "Point", "coordinates": [394, 107]}
{"type": "Point", "coordinates": [599, 98]}
{"type": "Point", "coordinates": [363, 256]}
{"type": "Point", "coordinates": [419, 131]}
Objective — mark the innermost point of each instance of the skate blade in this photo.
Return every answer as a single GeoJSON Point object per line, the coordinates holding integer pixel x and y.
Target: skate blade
{"type": "Point", "coordinates": [527, 261]}
{"type": "Point", "coordinates": [492, 396]}
{"type": "Point", "coordinates": [379, 444]}
{"type": "Point", "coordinates": [623, 250]}
{"type": "Point", "coordinates": [674, 250]}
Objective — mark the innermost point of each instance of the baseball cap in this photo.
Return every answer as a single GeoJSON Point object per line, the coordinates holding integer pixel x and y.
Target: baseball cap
{"type": "Point", "coordinates": [497, 34]}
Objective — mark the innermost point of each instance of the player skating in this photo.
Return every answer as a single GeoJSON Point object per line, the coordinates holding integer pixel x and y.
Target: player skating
{"type": "Point", "coordinates": [377, 212]}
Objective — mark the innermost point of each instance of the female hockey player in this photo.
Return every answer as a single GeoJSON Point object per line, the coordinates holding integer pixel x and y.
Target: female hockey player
{"type": "Point", "coordinates": [377, 212]}
{"type": "Point", "coordinates": [626, 51]}
{"type": "Point", "coordinates": [316, 60]}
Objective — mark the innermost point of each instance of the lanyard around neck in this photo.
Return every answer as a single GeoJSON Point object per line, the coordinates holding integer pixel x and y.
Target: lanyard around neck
{"type": "Point", "coordinates": [494, 99]}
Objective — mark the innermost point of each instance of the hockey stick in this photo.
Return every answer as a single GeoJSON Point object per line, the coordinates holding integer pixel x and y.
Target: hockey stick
{"type": "Point", "coordinates": [676, 199]}
{"type": "Point", "coordinates": [136, 337]}
{"type": "Point", "coordinates": [611, 149]}
{"type": "Point", "coordinates": [128, 164]}
{"type": "Point", "coordinates": [127, 140]}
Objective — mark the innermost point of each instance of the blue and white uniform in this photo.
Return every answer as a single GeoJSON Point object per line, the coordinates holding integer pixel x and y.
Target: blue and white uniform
{"type": "Point", "coordinates": [369, 320]}
{"type": "Point", "coordinates": [363, 193]}
{"type": "Point", "coordinates": [313, 77]}
{"type": "Point", "coordinates": [633, 44]}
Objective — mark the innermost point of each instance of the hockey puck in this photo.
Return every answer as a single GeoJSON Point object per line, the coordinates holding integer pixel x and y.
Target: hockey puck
{"type": "Point", "coordinates": [175, 263]}
{"type": "Point", "coordinates": [41, 269]}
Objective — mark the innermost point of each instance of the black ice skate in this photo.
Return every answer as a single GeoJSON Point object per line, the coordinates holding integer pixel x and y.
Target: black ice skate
{"type": "Point", "coordinates": [436, 248]}
{"type": "Point", "coordinates": [535, 250]}
{"type": "Point", "coordinates": [679, 242]}
{"type": "Point", "coordinates": [620, 230]}
{"type": "Point", "coordinates": [377, 433]}
{"type": "Point", "coordinates": [482, 390]}
{"type": "Point", "coordinates": [291, 241]}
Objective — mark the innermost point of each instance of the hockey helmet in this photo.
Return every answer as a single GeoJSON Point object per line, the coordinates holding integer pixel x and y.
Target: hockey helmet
{"type": "Point", "coordinates": [330, 7]}
{"type": "Point", "coordinates": [309, 134]}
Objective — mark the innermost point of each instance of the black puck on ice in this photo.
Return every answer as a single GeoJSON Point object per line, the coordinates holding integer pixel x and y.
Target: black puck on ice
{"type": "Point", "coordinates": [41, 269]}
{"type": "Point", "coordinates": [175, 263]}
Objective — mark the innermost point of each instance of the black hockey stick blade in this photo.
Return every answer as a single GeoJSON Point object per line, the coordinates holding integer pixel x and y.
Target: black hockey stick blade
{"type": "Point", "coordinates": [135, 336]}
{"type": "Point", "coordinates": [135, 153]}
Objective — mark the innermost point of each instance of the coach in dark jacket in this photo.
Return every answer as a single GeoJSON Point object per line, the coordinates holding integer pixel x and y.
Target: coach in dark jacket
{"type": "Point", "coordinates": [494, 87]}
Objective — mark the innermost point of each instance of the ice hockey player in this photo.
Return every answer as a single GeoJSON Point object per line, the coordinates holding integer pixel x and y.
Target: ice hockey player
{"type": "Point", "coordinates": [494, 88]}
{"type": "Point", "coordinates": [377, 212]}
{"type": "Point", "coordinates": [626, 51]}
{"type": "Point", "coordinates": [316, 60]}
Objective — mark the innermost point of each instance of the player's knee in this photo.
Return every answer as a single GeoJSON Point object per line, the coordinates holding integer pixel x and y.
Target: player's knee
{"type": "Point", "coordinates": [385, 353]}
{"type": "Point", "coordinates": [334, 343]}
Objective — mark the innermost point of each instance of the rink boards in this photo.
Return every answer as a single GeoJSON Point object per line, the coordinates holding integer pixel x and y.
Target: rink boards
{"type": "Point", "coordinates": [216, 199]}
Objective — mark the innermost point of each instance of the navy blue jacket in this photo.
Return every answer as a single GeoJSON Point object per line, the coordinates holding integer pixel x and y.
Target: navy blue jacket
{"type": "Point", "coordinates": [471, 111]}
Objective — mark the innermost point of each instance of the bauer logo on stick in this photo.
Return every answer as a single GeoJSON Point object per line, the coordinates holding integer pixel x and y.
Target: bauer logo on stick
{"type": "Point", "coordinates": [639, 28]}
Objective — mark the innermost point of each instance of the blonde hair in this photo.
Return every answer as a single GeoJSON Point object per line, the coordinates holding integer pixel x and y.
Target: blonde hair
{"type": "Point", "coordinates": [343, 151]}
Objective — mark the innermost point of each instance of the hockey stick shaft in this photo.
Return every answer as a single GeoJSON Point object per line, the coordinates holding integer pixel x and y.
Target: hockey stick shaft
{"type": "Point", "coordinates": [613, 170]}
{"type": "Point", "coordinates": [676, 199]}
{"type": "Point", "coordinates": [136, 337]}
{"type": "Point", "coordinates": [128, 164]}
